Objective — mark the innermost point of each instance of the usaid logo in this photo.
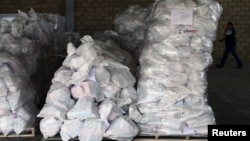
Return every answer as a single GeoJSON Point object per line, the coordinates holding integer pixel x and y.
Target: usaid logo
{"type": "Point", "coordinates": [187, 31]}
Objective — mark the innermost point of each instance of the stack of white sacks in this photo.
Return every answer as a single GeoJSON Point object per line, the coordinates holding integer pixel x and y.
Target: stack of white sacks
{"type": "Point", "coordinates": [172, 85]}
{"type": "Point", "coordinates": [33, 37]}
{"type": "Point", "coordinates": [18, 56]}
{"type": "Point", "coordinates": [13, 41]}
{"type": "Point", "coordinates": [90, 97]}
{"type": "Point", "coordinates": [23, 34]}
{"type": "Point", "coordinates": [17, 96]}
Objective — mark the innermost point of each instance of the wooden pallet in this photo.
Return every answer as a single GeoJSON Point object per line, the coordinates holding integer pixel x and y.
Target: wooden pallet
{"type": "Point", "coordinates": [146, 139]}
{"type": "Point", "coordinates": [28, 132]}
{"type": "Point", "coordinates": [169, 138]}
{"type": "Point", "coordinates": [58, 138]}
{"type": "Point", "coordinates": [143, 138]}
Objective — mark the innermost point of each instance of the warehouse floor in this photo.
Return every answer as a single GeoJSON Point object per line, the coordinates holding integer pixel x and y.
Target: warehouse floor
{"type": "Point", "coordinates": [228, 95]}
{"type": "Point", "coordinates": [229, 92]}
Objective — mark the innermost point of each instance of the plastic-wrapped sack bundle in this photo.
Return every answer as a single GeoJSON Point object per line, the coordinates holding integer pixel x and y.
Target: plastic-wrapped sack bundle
{"type": "Point", "coordinates": [27, 32]}
{"type": "Point", "coordinates": [4, 26]}
{"type": "Point", "coordinates": [131, 27]}
{"type": "Point", "coordinates": [92, 89]}
{"type": "Point", "coordinates": [172, 82]}
{"type": "Point", "coordinates": [18, 106]}
{"type": "Point", "coordinates": [21, 47]}
{"type": "Point", "coordinates": [13, 41]}
{"type": "Point", "coordinates": [26, 24]}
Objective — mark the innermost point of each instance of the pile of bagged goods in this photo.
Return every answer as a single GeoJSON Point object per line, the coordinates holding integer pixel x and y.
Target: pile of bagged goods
{"type": "Point", "coordinates": [172, 85]}
{"type": "Point", "coordinates": [91, 95]}
{"type": "Point", "coordinates": [94, 91]}
{"type": "Point", "coordinates": [21, 38]}
{"type": "Point", "coordinates": [174, 42]}
{"type": "Point", "coordinates": [17, 97]}
{"type": "Point", "coordinates": [97, 94]}
{"type": "Point", "coordinates": [25, 34]}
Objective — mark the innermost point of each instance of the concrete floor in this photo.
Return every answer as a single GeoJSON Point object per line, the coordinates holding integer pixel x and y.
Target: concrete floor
{"type": "Point", "coordinates": [229, 92]}
{"type": "Point", "coordinates": [228, 95]}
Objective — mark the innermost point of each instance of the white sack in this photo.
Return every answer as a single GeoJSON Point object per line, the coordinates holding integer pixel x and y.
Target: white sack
{"type": "Point", "coordinates": [111, 90]}
{"type": "Point", "coordinates": [3, 88]}
{"type": "Point", "coordinates": [6, 124]}
{"type": "Point", "coordinates": [122, 78]}
{"type": "Point", "coordinates": [84, 108]}
{"type": "Point", "coordinates": [50, 110]}
{"type": "Point", "coordinates": [58, 95]}
{"type": "Point", "coordinates": [24, 117]}
{"type": "Point", "coordinates": [19, 98]}
{"type": "Point", "coordinates": [62, 75]}
{"type": "Point", "coordinates": [102, 76]}
{"type": "Point", "coordinates": [4, 107]}
{"type": "Point", "coordinates": [87, 89]}
{"type": "Point", "coordinates": [134, 113]}
{"type": "Point", "coordinates": [50, 126]}
{"type": "Point", "coordinates": [105, 108]}
{"type": "Point", "coordinates": [70, 129]}
{"type": "Point", "coordinates": [124, 124]}
{"type": "Point", "coordinates": [92, 130]}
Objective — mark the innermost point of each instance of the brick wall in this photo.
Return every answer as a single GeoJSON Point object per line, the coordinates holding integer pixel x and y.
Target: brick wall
{"type": "Point", "coordinates": [45, 6]}
{"type": "Point", "coordinates": [237, 11]}
{"type": "Point", "coordinates": [97, 15]}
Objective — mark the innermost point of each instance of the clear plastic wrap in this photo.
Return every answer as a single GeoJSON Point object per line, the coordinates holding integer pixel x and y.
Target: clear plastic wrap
{"type": "Point", "coordinates": [174, 61]}
{"type": "Point", "coordinates": [131, 27]}
{"type": "Point", "coordinates": [18, 98]}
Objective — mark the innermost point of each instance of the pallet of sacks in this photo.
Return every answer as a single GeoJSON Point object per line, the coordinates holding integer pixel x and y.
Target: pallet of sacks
{"type": "Point", "coordinates": [174, 58]}
{"type": "Point", "coordinates": [91, 96]}
{"type": "Point", "coordinates": [18, 108]}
